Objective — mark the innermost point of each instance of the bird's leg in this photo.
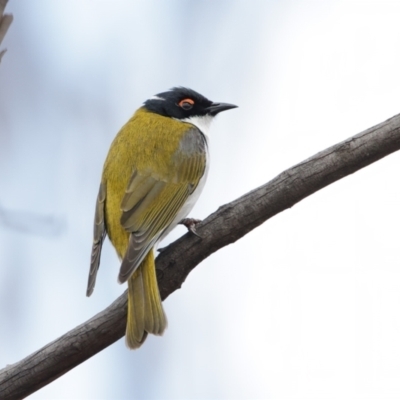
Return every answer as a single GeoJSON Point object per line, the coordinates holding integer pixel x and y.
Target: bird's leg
{"type": "Point", "coordinates": [190, 224]}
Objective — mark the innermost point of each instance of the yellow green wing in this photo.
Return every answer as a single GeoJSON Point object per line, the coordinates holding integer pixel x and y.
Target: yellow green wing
{"type": "Point", "coordinates": [99, 233]}
{"type": "Point", "coordinates": [152, 200]}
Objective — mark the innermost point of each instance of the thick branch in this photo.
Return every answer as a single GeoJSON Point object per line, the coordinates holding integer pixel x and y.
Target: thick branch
{"type": "Point", "coordinates": [229, 223]}
{"type": "Point", "coordinates": [5, 22]}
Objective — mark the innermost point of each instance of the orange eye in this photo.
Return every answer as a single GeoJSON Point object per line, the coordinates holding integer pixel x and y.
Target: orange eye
{"type": "Point", "coordinates": [186, 104]}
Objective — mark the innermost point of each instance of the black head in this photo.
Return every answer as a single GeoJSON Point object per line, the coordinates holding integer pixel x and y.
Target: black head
{"type": "Point", "coordinates": [183, 103]}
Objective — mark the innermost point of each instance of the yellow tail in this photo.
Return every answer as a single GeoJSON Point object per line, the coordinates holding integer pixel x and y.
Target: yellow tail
{"type": "Point", "coordinates": [145, 310]}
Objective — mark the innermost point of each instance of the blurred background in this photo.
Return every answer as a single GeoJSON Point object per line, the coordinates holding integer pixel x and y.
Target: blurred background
{"type": "Point", "coordinates": [307, 306]}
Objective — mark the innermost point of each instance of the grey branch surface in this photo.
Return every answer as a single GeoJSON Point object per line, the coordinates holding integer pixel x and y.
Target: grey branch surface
{"type": "Point", "coordinates": [5, 22]}
{"type": "Point", "coordinates": [228, 224]}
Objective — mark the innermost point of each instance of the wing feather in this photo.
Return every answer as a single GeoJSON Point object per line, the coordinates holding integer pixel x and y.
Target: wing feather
{"type": "Point", "coordinates": [131, 219]}
{"type": "Point", "coordinates": [152, 200]}
{"type": "Point", "coordinates": [99, 233]}
{"type": "Point", "coordinates": [137, 190]}
{"type": "Point", "coordinates": [141, 241]}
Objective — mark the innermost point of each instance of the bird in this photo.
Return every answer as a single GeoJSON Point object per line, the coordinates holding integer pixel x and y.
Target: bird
{"type": "Point", "coordinates": [153, 174]}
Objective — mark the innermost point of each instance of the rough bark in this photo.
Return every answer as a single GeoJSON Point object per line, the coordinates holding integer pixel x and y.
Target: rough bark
{"type": "Point", "coordinates": [229, 223]}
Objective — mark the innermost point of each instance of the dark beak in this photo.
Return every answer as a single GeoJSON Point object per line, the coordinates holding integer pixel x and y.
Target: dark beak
{"type": "Point", "coordinates": [216, 108]}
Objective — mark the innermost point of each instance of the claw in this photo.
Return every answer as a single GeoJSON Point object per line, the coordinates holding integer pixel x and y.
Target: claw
{"type": "Point", "coordinates": [190, 224]}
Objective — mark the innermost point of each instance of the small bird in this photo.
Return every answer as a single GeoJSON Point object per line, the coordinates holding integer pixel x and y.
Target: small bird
{"type": "Point", "coordinates": [154, 173]}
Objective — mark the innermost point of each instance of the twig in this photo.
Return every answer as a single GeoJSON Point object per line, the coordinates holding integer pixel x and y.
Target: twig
{"type": "Point", "coordinates": [5, 22]}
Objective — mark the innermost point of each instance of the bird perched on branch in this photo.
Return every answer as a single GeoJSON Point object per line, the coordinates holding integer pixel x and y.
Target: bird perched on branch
{"type": "Point", "coordinates": [154, 173]}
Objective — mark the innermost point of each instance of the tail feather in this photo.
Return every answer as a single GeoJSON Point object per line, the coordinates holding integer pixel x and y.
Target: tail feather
{"type": "Point", "coordinates": [155, 319]}
{"type": "Point", "coordinates": [135, 323]}
{"type": "Point", "coordinates": [145, 310]}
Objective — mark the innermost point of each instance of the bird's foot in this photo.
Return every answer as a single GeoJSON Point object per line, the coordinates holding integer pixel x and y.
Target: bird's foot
{"type": "Point", "coordinates": [190, 224]}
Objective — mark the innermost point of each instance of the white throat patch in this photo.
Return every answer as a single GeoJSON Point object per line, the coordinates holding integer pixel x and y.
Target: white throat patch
{"type": "Point", "coordinates": [203, 122]}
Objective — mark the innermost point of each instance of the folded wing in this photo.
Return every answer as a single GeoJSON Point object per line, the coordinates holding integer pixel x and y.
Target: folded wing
{"type": "Point", "coordinates": [153, 200]}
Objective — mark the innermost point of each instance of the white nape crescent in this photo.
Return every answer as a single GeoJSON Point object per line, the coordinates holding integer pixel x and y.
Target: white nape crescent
{"type": "Point", "coordinates": [156, 98]}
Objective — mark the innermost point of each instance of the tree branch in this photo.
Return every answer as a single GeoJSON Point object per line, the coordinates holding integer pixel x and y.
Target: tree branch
{"type": "Point", "coordinates": [229, 223]}
{"type": "Point", "coordinates": [5, 22]}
